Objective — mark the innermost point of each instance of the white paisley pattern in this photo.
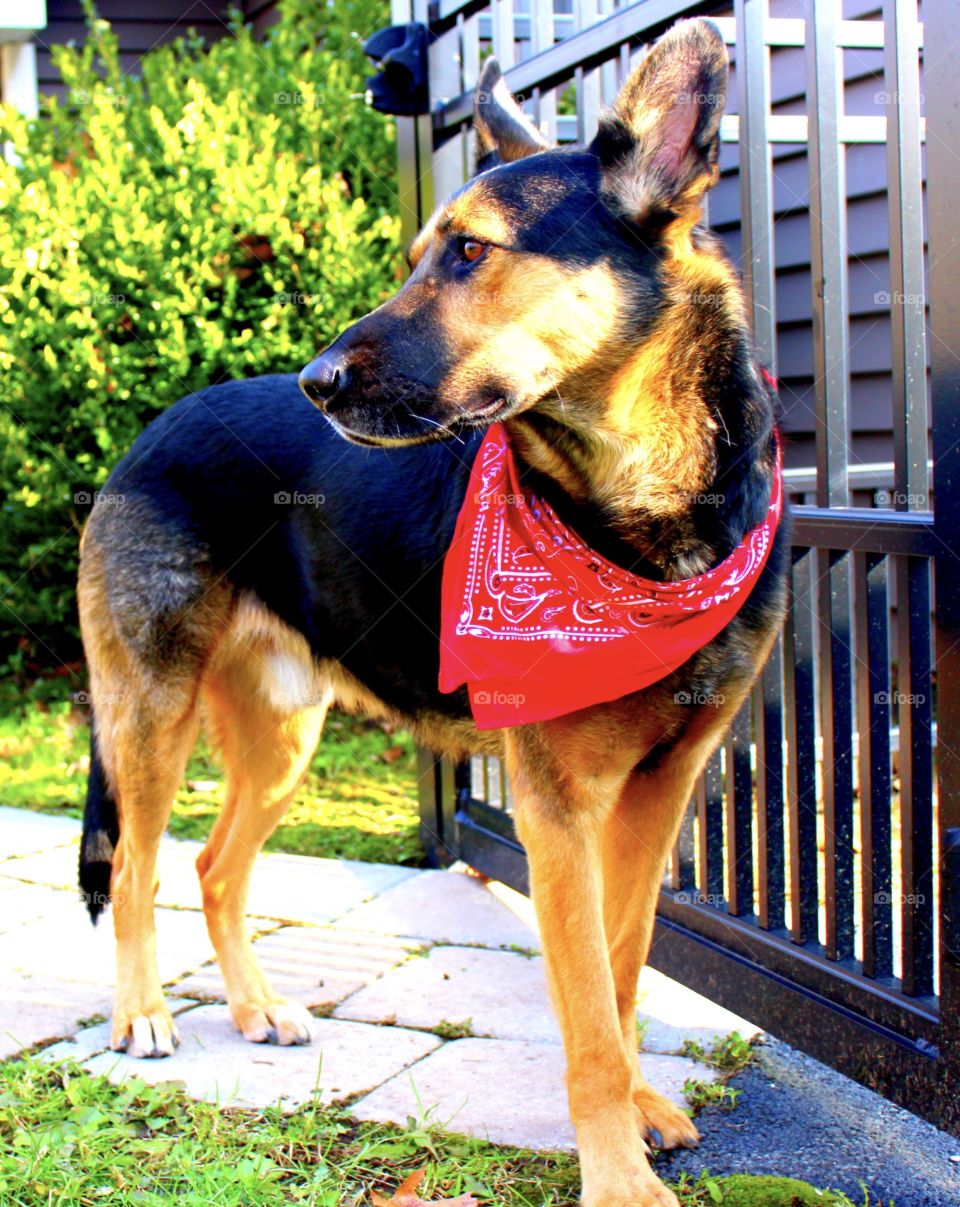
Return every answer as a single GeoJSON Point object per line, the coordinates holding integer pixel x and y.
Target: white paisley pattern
{"type": "Point", "coordinates": [530, 578]}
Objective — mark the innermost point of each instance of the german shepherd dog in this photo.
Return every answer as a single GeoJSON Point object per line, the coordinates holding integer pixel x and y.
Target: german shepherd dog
{"type": "Point", "coordinates": [571, 295]}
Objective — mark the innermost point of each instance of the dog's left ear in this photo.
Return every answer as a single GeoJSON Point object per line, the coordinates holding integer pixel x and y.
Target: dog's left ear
{"type": "Point", "coordinates": [504, 132]}
{"type": "Point", "coordinates": [659, 144]}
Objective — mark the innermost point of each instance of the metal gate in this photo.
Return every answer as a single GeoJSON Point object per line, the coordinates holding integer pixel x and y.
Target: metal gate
{"type": "Point", "coordinates": [815, 885]}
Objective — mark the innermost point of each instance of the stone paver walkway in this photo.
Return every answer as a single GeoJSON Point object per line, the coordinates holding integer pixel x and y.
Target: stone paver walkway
{"type": "Point", "coordinates": [427, 988]}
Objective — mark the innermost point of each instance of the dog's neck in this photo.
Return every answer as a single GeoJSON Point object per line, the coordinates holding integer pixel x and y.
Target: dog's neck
{"type": "Point", "coordinates": [670, 468]}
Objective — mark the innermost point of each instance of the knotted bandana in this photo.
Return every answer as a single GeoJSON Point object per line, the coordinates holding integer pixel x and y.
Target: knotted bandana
{"type": "Point", "coordinates": [539, 625]}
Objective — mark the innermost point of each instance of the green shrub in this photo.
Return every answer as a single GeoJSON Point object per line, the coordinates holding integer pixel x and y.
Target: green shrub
{"type": "Point", "coordinates": [224, 214]}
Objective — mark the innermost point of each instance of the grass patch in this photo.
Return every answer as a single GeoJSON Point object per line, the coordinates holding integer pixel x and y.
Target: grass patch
{"type": "Point", "coordinates": [701, 1094]}
{"type": "Point", "coordinates": [747, 1190]}
{"type": "Point", "coordinates": [449, 1030]}
{"type": "Point", "coordinates": [358, 800]}
{"type": "Point", "coordinates": [67, 1137]}
{"type": "Point", "coordinates": [728, 1054]}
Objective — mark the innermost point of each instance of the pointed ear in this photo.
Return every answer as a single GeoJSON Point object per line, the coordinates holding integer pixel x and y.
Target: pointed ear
{"type": "Point", "coordinates": [504, 133]}
{"type": "Point", "coordinates": [659, 144]}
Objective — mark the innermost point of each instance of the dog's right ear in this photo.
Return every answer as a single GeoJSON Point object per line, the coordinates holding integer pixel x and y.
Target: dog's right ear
{"type": "Point", "coordinates": [659, 144]}
{"type": "Point", "coordinates": [504, 132]}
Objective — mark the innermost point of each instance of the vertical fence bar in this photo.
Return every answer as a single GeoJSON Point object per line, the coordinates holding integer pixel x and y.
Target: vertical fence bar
{"type": "Point", "coordinates": [542, 34]}
{"type": "Point", "coordinates": [446, 81]}
{"type": "Point", "coordinates": [873, 711]}
{"type": "Point", "coordinates": [905, 210]}
{"type": "Point", "coordinates": [836, 712]}
{"type": "Point", "coordinates": [683, 872]}
{"type": "Point", "coordinates": [756, 186]}
{"type": "Point", "coordinates": [768, 714]}
{"type": "Point", "coordinates": [503, 33]}
{"type": "Point", "coordinates": [739, 807]}
{"type": "Point", "coordinates": [587, 81]}
{"type": "Point", "coordinates": [798, 682]}
{"type": "Point", "coordinates": [414, 145]}
{"type": "Point", "coordinates": [942, 85]}
{"type": "Point", "coordinates": [914, 709]}
{"type": "Point", "coordinates": [828, 248]}
{"type": "Point", "coordinates": [828, 245]}
{"type": "Point", "coordinates": [710, 818]}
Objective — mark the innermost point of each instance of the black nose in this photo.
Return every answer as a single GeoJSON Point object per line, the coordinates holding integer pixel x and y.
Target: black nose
{"type": "Point", "coordinates": [326, 377]}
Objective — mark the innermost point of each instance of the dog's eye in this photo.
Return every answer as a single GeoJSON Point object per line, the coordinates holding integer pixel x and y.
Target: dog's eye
{"type": "Point", "coordinates": [470, 250]}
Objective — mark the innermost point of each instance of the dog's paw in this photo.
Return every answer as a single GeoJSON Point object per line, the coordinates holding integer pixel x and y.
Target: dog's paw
{"type": "Point", "coordinates": [278, 1021]}
{"type": "Point", "coordinates": [646, 1190]}
{"type": "Point", "coordinates": [662, 1124]}
{"type": "Point", "coordinates": [150, 1034]}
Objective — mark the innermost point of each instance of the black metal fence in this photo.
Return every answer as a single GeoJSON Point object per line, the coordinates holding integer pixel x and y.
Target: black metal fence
{"type": "Point", "coordinates": [815, 885]}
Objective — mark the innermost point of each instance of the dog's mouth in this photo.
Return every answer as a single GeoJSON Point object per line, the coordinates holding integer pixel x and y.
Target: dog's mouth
{"type": "Point", "coordinates": [402, 424]}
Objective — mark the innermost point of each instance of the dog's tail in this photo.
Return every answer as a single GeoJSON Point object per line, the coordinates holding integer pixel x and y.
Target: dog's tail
{"type": "Point", "coordinates": [101, 830]}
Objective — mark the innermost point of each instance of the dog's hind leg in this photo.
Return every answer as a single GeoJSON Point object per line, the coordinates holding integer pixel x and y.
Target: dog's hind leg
{"type": "Point", "coordinates": [149, 616]}
{"type": "Point", "coordinates": [267, 744]}
{"type": "Point", "coordinates": [151, 735]}
{"type": "Point", "coordinates": [566, 780]}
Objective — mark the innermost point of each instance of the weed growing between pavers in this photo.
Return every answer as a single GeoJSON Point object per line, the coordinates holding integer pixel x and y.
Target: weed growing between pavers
{"type": "Point", "coordinates": [358, 801]}
{"type": "Point", "coordinates": [73, 1139]}
{"type": "Point", "coordinates": [728, 1055]}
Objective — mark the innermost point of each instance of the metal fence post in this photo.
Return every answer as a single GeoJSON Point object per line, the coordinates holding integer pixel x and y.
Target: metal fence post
{"type": "Point", "coordinates": [942, 88]}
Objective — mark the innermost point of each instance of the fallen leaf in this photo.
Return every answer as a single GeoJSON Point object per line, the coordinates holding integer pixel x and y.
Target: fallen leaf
{"type": "Point", "coordinates": [406, 1195]}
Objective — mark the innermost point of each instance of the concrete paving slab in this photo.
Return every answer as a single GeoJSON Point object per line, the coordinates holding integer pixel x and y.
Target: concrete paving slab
{"type": "Point", "coordinates": [216, 1064]}
{"type": "Point", "coordinates": [503, 1090]}
{"type": "Point", "coordinates": [290, 888]}
{"type": "Point", "coordinates": [670, 1013]}
{"type": "Point", "coordinates": [21, 903]}
{"type": "Point", "coordinates": [319, 966]}
{"type": "Point", "coordinates": [443, 907]}
{"type": "Point", "coordinates": [495, 993]}
{"type": "Point", "coordinates": [34, 1009]}
{"type": "Point", "coordinates": [64, 946]}
{"type": "Point", "coordinates": [23, 832]}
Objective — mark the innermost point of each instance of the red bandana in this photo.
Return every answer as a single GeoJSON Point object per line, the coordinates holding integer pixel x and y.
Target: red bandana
{"type": "Point", "coordinates": [538, 625]}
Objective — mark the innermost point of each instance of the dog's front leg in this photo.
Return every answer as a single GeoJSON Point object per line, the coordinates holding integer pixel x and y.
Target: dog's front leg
{"type": "Point", "coordinates": [564, 791]}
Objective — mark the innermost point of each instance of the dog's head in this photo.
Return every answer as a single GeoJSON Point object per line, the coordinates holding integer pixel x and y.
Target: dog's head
{"type": "Point", "coordinates": [530, 283]}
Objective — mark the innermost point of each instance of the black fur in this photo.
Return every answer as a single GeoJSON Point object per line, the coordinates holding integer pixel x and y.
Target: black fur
{"type": "Point", "coordinates": [101, 830]}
